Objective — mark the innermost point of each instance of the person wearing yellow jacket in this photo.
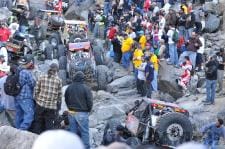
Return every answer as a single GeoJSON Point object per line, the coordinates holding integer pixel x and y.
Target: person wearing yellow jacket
{"type": "Point", "coordinates": [142, 40]}
{"type": "Point", "coordinates": [154, 60]}
{"type": "Point", "coordinates": [126, 51]}
{"type": "Point", "coordinates": [137, 61]}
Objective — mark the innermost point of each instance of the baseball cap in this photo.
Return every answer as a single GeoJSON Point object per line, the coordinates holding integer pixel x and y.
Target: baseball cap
{"type": "Point", "coordinates": [26, 59]}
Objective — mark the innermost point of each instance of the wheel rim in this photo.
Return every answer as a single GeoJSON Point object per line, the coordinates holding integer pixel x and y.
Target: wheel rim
{"type": "Point", "coordinates": [54, 42]}
{"type": "Point", "coordinates": [174, 132]}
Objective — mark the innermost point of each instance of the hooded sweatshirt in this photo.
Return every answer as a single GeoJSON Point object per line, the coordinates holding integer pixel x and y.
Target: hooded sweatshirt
{"type": "Point", "coordinates": [78, 96]}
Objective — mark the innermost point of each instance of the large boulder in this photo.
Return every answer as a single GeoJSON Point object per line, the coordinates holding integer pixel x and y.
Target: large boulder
{"type": "Point", "coordinates": [11, 138]}
{"type": "Point", "coordinates": [121, 83]}
{"type": "Point", "coordinates": [78, 12]}
{"type": "Point", "coordinates": [167, 80]}
{"type": "Point", "coordinates": [212, 23]}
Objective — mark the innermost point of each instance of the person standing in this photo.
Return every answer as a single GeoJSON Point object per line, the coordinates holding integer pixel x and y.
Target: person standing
{"type": "Point", "coordinates": [126, 51]}
{"type": "Point", "coordinates": [211, 78]}
{"type": "Point", "coordinates": [154, 60]}
{"type": "Point", "coordinates": [141, 85]}
{"type": "Point", "coordinates": [172, 46]}
{"type": "Point", "coordinates": [193, 44]}
{"type": "Point", "coordinates": [4, 33]}
{"type": "Point", "coordinates": [116, 49]}
{"type": "Point", "coordinates": [220, 72]}
{"type": "Point", "coordinates": [6, 101]}
{"type": "Point", "coordinates": [149, 75]}
{"type": "Point", "coordinates": [79, 100]}
{"type": "Point", "coordinates": [48, 96]}
{"type": "Point", "coordinates": [24, 102]}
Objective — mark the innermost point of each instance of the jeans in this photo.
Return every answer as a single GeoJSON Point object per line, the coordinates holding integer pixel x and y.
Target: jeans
{"type": "Point", "coordinates": [192, 55]}
{"type": "Point", "coordinates": [79, 124]}
{"type": "Point", "coordinates": [23, 29]}
{"type": "Point", "coordinates": [182, 31]}
{"type": "Point", "coordinates": [155, 81]}
{"type": "Point", "coordinates": [210, 90]}
{"type": "Point", "coordinates": [149, 89]}
{"type": "Point", "coordinates": [107, 8]}
{"type": "Point", "coordinates": [209, 142]}
{"type": "Point", "coordinates": [24, 113]}
{"type": "Point", "coordinates": [44, 119]}
{"type": "Point", "coordinates": [141, 87]}
{"type": "Point", "coordinates": [173, 54]}
{"type": "Point", "coordinates": [96, 30]}
{"type": "Point", "coordinates": [220, 76]}
{"type": "Point", "coordinates": [126, 60]}
{"type": "Point", "coordinates": [188, 33]}
{"type": "Point", "coordinates": [117, 57]}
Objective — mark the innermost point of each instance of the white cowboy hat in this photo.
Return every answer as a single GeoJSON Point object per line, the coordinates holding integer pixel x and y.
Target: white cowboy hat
{"type": "Point", "coordinates": [4, 68]}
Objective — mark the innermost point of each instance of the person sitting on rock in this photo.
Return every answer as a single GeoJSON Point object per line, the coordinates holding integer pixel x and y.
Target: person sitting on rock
{"type": "Point", "coordinates": [213, 133]}
{"type": "Point", "coordinates": [184, 79]}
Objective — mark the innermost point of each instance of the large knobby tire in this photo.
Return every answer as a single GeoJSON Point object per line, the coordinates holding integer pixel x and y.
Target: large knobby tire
{"type": "Point", "coordinates": [61, 50]}
{"type": "Point", "coordinates": [49, 53]}
{"type": "Point", "coordinates": [99, 55]}
{"type": "Point", "coordinates": [102, 76]}
{"type": "Point", "coordinates": [173, 129]}
{"type": "Point", "coordinates": [62, 62]}
{"type": "Point", "coordinates": [55, 39]}
{"type": "Point", "coordinates": [63, 76]}
{"type": "Point", "coordinates": [110, 131]}
{"type": "Point", "coordinates": [133, 142]}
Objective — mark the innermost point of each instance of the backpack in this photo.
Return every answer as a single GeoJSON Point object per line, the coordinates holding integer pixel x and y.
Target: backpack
{"type": "Point", "coordinates": [175, 36]}
{"type": "Point", "coordinates": [12, 86]}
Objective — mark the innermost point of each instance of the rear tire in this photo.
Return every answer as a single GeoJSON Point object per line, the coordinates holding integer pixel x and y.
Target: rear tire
{"type": "Point", "coordinates": [102, 77]}
{"type": "Point", "coordinates": [173, 129]}
{"type": "Point", "coordinates": [133, 142]}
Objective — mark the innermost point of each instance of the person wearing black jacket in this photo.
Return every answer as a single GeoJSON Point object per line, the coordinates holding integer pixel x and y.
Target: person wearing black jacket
{"type": "Point", "coordinates": [211, 78]}
{"type": "Point", "coordinates": [79, 100]}
{"type": "Point", "coordinates": [116, 49]}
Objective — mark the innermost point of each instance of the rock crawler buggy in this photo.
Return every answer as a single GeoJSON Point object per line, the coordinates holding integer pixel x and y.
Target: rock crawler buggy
{"type": "Point", "coordinates": [80, 55]}
{"type": "Point", "coordinates": [152, 121]}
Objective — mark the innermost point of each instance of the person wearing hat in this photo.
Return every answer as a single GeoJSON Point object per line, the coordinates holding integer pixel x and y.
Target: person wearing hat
{"type": "Point", "coordinates": [24, 102]}
{"type": "Point", "coordinates": [48, 95]}
{"type": "Point", "coordinates": [220, 72]}
{"type": "Point", "coordinates": [79, 100]}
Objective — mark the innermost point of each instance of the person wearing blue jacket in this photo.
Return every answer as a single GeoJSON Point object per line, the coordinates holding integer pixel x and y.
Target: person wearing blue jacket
{"type": "Point", "coordinates": [214, 132]}
{"type": "Point", "coordinates": [24, 102]}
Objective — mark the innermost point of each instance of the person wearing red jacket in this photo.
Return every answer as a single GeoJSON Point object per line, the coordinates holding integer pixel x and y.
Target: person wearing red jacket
{"type": "Point", "coordinates": [4, 33]}
{"type": "Point", "coordinates": [58, 6]}
{"type": "Point", "coordinates": [112, 32]}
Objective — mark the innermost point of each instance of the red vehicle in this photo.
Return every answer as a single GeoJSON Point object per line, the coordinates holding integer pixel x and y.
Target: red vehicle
{"type": "Point", "coordinates": [153, 121]}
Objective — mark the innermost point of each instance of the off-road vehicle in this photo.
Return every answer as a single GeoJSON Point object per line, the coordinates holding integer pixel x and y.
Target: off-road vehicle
{"type": "Point", "coordinates": [153, 121]}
